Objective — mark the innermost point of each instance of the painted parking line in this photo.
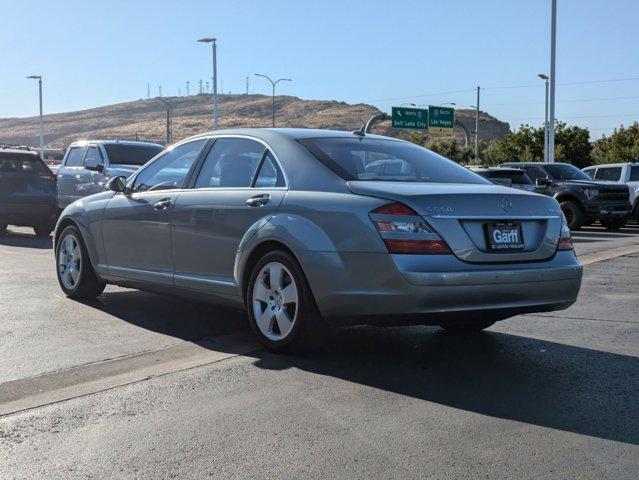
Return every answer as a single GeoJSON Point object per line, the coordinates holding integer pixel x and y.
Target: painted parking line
{"type": "Point", "coordinates": [608, 254]}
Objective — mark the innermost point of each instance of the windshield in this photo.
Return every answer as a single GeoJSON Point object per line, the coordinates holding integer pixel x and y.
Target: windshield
{"type": "Point", "coordinates": [387, 160]}
{"type": "Point", "coordinates": [518, 177]}
{"type": "Point", "coordinates": [564, 171]}
{"type": "Point", "coordinates": [126, 154]}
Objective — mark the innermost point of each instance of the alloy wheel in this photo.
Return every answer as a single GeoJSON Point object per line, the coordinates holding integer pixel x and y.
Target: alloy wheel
{"type": "Point", "coordinates": [275, 301]}
{"type": "Point", "coordinates": [70, 261]}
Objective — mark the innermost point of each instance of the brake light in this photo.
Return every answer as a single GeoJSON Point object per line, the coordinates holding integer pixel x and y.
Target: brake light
{"type": "Point", "coordinates": [565, 243]}
{"type": "Point", "coordinates": [48, 176]}
{"type": "Point", "coordinates": [405, 232]}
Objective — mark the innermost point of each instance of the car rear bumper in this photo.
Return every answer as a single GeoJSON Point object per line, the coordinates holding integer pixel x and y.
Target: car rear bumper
{"type": "Point", "coordinates": [420, 289]}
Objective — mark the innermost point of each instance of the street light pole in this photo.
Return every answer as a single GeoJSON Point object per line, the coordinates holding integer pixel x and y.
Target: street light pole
{"type": "Point", "coordinates": [553, 47]}
{"type": "Point", "coordinates": [545, 78]}
{"type": "Point", "coordinates": [213, 42]}
{"type": "Point", "coordinates": [477, 128]}
{"type": "Point", "coordinates": [41, 127]}
{"type": "Point", "coordinates": [169, 114]}
{"type": "Point", "coordinates": [273, 83]}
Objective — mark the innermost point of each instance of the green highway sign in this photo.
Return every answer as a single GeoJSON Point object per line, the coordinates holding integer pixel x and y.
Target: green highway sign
{"type": "Point", "coordinates": [411, 118]}
{"type": "Point", "coordinates": [441, 120]}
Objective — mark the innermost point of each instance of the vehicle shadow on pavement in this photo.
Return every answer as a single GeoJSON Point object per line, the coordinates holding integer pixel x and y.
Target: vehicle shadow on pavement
{"type": "Point", "coordinates": [19, 239]}
{"type": "Point", "coordinates": [549, 384]}
{"type": "Point", "coordinates": [538, 382]}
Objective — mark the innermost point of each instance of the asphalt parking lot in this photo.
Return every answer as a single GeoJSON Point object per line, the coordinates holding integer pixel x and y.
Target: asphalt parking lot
{"type": "Point", "coordinates": [137, 385]}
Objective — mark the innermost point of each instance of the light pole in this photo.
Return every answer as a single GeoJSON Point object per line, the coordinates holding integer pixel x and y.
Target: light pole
{"type": "Point", "coordinates": [273, 83]}
{"type": "Point", "coordinates": [551, 106]}
{"type": "Point", "coordinates": [39, 79]}
{"type": "Point", "coordinates": [545, 79]}
{"type": "Point", "coordinates": [213, 42]}
{"type": "Point", "coordinates": [476, 107]}
{"type": "Point", "coordinates": [169, 114]}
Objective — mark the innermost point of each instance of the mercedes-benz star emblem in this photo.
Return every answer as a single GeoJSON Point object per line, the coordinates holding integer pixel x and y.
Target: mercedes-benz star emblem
{"type": "Point", "coordinates": [507, 205]}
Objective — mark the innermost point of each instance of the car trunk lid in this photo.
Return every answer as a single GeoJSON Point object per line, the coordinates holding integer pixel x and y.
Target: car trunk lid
{"type": "Point", "coordinates": [465, 214]}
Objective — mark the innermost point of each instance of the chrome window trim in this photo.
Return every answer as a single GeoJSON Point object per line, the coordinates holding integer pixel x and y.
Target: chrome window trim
{"type": "Point", "coordinates": [247, 137]}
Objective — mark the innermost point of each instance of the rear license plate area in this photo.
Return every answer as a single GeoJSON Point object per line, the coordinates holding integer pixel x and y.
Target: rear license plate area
{"type": "Point", "coordinates": [504, 236]}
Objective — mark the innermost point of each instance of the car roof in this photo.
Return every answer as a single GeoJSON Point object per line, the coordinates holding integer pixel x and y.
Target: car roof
{"type": "Point", "coordinates": [114, 142]}
{"type": "Point", "coordinates": [497, 169]}
{"type": "Point", "coordinates": [18, 151]}
{"type": "Point", "coordinates": [291, 133]}
{"type": "Point", "coordinates": [612, 165]}
{"type": "Point", "coordinates": [534, 164]}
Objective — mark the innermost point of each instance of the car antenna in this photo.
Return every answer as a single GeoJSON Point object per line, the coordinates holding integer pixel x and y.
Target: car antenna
{"type": "Point", "coordinates": [360, 132]}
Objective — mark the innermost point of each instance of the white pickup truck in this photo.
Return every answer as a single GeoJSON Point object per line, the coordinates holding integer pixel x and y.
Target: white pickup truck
{"type": "Point", "coordinates": [87, 166]}
{"type": "Point", "coordinates": [627, 173]}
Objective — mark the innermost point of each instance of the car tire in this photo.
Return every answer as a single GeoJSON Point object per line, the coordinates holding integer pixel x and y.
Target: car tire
{"type": "Point", "coordinates": [73, 266]}
{"type": "Point", "coordinates": [574, 214]}
{"type": "Point", "coordinates": [613, 224]}
{"type": "Point", "coordinates": [3, 228]}
{"type": "Point", "coordinates": [467, 327]}
{"type": "Point", "coordinates": [43, 231]}
{"type": "Point", "coordinates": [280, 305]}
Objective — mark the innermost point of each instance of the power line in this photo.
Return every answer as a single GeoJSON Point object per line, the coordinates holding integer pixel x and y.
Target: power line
{"type": "Point", "coordinates": [575, 100]}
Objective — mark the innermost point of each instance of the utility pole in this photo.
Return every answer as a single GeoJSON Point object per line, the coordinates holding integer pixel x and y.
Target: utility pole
{"type": "Point", "coordinates": [545, 78]}
{"type": "Point", "coordinates": [247, 85]}
{"type": "Point", "coordinates": [160, 91]}
{"type": "Point", "coordinates": [148, 91]}
{"type": "Point", "coordinates": [206, 87]}
{"type": "Point", "coordinates": [187, 88]}
{"type": "Point", "coordinates": [201, 91]}
{"type": "Point", "coordinates": [477, 128]}
{"type": "Point", "coordinates": [41, 125]}
{"type": "Point", "coordinates": [273, 83]}
{"type": "Point", "coordinates": [551, 107]}
{"type": "Point", "coordinates": [213, 42]}
{"type": "Point", "coordinates": [169, 125]}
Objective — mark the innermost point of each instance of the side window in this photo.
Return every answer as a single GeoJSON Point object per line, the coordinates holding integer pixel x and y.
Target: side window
{"type": "Point", "coordinates": [634, 174]}
{"type": "Point", "coordinates": [609, 173]}
{"type": "Point", "coordinates": [93, 152]}
{"type": "Point", "coordinates": [170, 169]}
{"type": "Point", "coordinates": [74, 157]}
{"type": "Point", "coordinates": [535, 172]}
{"type": "Point", "coordinates": [269, 175]}
{"type": "Point", "coordinates": [590, 172]}
{"type": "Point", "coordinates": [230, 163]}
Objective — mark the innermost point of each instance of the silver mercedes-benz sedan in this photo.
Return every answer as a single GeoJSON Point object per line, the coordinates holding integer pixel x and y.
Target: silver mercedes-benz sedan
{"type": "Point", "coordinates": [311, 227]}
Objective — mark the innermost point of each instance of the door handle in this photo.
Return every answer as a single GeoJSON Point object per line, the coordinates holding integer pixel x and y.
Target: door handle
{"type": "Point", "coordinates": [258, 200]}
{"type": "Point", "coordinates": [162, 204]}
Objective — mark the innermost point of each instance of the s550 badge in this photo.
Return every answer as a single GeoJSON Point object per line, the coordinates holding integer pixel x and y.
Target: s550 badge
{"type": "Point", "coordinates": [438, 210]}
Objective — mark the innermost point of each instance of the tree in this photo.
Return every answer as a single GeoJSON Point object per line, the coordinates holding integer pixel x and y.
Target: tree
{"type": "Point", "coordinates": [621, 146]}
{"type": "Point", "coordinates": [572, 145]}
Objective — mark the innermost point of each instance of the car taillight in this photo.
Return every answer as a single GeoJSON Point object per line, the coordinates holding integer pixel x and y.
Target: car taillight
{"type": "Point", "coordinates": [404, 231]}
{"type": "Point", "coordinates": [48, 176]}
{"type": "Point", "coordinates": [565, 239]}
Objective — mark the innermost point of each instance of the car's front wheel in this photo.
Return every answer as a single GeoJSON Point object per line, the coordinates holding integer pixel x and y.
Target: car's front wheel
{"type": "Point", "coordinates": [43, 230]}
{"type": "Point", "coordinates": [280, 304]}
{"type": "Point", "coordinates": [3, 228]}
{"type": "Point", "coordinates": [75, 272]}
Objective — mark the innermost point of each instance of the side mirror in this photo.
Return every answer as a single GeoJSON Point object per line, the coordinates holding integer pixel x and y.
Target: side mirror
{"type": "Point", "coordinates": [93, 165]}
{"type": "Point", "coordinates": [543, 182]}
{"type": "Point", "coordinates": [117, 184]}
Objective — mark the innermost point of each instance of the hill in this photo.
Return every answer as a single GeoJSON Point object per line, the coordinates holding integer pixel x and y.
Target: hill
{"type": "Point", "coordinates": [145, 119]}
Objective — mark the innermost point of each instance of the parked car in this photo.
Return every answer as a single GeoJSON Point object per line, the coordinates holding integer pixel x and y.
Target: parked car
{"type": "Point", "coordinates": [508, 177]}
{"type": "Point", "coordinates": [87, 166]}
{"type": "Point", "coordinates": [290, 224]}
{"type": "Point", "coordinates": [27, 191]}
{"type": "Point", "coordinates": [582, 199]}
{"type": "Point", "coordinates": [626, 173]}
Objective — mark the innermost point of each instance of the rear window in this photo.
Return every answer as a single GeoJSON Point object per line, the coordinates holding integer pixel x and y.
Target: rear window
{"type": "Point", "coordinates": [123, 154]}
{"type": "Point", "coordinates": [564, 171]}
{"type": "Point", "coordinates": [612, 174]}
{"type": "Point", "coordinates": [519, 178]}
{"type": "Point", "coordinates": [15, 162]}
{"type": "Point", "coordinates": [634, 174]}
{"type": "Point", "coordinates": [387, 160]}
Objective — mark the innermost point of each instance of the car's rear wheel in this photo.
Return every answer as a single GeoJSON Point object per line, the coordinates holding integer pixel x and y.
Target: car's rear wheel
{"type": "Point", "coordinates": [75, 272]}
{"type": "Point", "coordinates": [470, 327]}
{"type": "Point", "coordinates": [43, 230]}
{"type": "Point", "coordinates": [280, 304]}
{"type": "Point", "coordinates": [3, 228]}
{"type": "Point", "coordinates": [613, 224]}
{"type": "Point", "coordinates": [574, 214]}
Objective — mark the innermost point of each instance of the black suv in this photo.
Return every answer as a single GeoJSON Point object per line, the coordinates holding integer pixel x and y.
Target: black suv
{"type": "Point", "coordinates": [582, 199]}
{"type": "Point", "coordinates": [27, 191]}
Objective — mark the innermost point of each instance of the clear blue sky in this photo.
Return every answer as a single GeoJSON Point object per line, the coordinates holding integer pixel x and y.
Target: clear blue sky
{"type": "Point", "coordinates": [92, 53]}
